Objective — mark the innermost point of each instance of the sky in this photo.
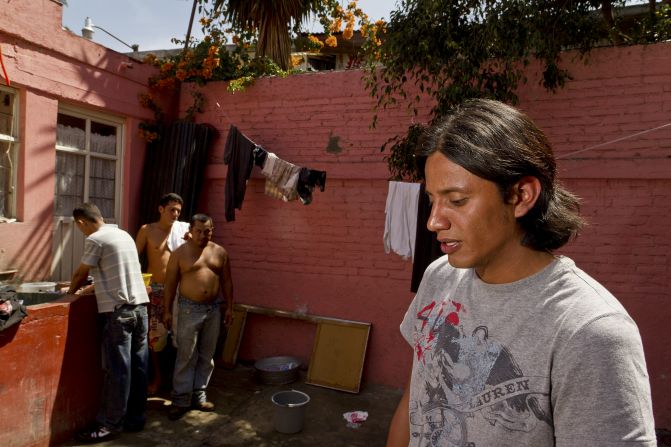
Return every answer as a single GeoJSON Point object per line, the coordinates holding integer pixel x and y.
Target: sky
{"type": "Point", "coordinates": [152, 23]}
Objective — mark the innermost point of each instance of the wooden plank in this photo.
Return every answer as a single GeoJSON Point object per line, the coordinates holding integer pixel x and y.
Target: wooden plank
{"type": "Point", "coordinates": [229, 353]}
{"type": "Point", "coordinates": [338, 355]}
{"type": "Point", "coordinates": [296, 316]}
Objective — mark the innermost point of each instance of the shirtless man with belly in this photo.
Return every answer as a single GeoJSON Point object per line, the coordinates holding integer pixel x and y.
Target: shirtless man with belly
{"type": "Point", "coordinates": [159, 239]}
{"type": "Point", "coordinates": [201, 268]}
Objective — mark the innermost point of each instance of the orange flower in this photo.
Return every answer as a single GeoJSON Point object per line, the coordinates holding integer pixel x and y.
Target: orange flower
{"type": "Point", "coordinates": [331, 41]}
{"type": "Point", "coordinates": [296, 61]}
{"type": "Point", "coordinates": [335, 26]}
{"type": "Point", "coordinates": [181, 75]}
{"type": "Point", "coordinates": [149, 59]}
{"type": "Point", "coordinates": [166, 67]}
{"type": "Point", "coordinates": [348, 33]}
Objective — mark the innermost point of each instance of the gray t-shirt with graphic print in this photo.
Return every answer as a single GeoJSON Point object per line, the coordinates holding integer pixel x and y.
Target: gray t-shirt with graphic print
{"type": "Point", "coordinates": [550, 360]}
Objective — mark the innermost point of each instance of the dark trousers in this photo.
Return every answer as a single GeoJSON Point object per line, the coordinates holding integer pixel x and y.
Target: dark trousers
{"type": "Point", "coordinates": [125, 358]}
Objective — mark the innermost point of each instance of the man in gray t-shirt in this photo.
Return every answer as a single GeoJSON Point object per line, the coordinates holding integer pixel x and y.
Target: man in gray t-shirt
{"type": "Point", "coordinates": [512, 345]}
{"type": "Point", "coordinates": [111, 257]}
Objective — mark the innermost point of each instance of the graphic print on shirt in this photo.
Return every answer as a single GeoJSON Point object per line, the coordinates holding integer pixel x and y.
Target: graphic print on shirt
{"type": "Point", "coordinates": [464, 375]}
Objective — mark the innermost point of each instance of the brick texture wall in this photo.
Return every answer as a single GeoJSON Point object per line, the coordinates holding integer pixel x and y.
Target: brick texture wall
{"type": "Point", "coordinates": [327, 258]}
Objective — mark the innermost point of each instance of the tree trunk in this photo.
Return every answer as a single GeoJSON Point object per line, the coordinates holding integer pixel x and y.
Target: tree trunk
{"type": "Point", "coordinates": [607, 13]}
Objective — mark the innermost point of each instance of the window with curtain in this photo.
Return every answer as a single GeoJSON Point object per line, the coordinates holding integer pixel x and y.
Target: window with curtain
{"type": "Point", "coordinates": [9, 147]}
{"type": "Point", "coordinates": [87, 161]}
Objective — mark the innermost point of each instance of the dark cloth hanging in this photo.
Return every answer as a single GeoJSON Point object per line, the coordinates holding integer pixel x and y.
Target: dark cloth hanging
{"type": "Point", "coordinates": [239, 156]}
{"type": "Point", "coordinates": [260, 156]}
{"type": "Point", "coordinates": [175, 162]}
{"type": "Point", "coordinates": [427, 247]}
{"type": "Point", "coordinates": [307, 180]}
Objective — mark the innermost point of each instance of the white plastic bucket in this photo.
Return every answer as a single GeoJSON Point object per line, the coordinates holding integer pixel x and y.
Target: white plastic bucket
{"type": "Point", "coordinates": [289, 410]}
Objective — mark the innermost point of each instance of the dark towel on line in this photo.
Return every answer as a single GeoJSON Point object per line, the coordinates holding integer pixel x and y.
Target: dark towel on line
{"type": "Point", "coordinates": [238, 155]}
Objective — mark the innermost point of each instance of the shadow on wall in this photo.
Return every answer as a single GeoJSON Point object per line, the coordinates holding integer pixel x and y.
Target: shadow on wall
{"type": "Point", "coordinates": [34, 258]}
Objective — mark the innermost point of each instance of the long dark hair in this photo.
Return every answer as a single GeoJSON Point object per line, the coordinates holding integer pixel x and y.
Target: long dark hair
{"type": "Point", "coordinates": [501, 144]}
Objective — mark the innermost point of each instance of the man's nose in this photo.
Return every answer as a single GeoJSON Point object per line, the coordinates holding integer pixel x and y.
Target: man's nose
{"type": "Point", "coordinates": [437, 220]}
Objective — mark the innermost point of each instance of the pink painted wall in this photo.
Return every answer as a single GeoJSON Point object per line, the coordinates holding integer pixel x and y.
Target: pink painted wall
{"type": "Point", "coordinates": [51, 66]}
{"type": "Point", "coordinates": [328, 256]}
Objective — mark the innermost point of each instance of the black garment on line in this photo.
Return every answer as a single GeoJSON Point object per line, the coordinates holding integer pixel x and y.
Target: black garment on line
{"type": "Point", "coordinates": [260, 156]}
{"type": "Point", "coordinates": [427, 247]}
{"type": "Point", "coordinates": [307, 180]}
{"type": "Point", "coordinates": [238, 155]}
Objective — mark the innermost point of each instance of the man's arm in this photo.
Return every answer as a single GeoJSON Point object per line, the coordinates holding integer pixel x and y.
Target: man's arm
{"type": "Point", "coordinates": [399, 430]}
{"type": "Point", "coordinates": [172, 275]}
{"type": "Point", "coordinates": [226, 284]}
{"type": "Point", "coordinates": [141, 240]}
{"type": "Point", "coordinates": [79, 278]}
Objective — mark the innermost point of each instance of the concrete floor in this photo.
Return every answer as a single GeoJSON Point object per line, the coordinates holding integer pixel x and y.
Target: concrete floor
{"type": "Point", "coordinates": [244, 416]}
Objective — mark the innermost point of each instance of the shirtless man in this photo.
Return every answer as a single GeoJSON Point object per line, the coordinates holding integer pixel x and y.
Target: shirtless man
{"type": "Point", "coordinates": [201, 268]}
{"type": "Point", "coordinates": [158, 240]}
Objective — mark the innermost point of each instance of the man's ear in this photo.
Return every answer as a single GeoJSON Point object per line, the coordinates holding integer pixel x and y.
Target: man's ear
{"type": "Point", "coordinates": [525, 193]}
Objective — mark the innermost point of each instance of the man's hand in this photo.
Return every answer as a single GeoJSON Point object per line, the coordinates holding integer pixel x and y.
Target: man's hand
{"type": "Point", "coordinates": [167, 319]}
{"type": "Point", "coordinates": [187, 236]}
{"type": "Point", "coordinates": [228, 317]}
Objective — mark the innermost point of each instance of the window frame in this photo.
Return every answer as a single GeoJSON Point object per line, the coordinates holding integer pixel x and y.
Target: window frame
{"type": "Point", "coordinates": [14, 141]}
{"type": "Point", "coordinates": [109, 120]}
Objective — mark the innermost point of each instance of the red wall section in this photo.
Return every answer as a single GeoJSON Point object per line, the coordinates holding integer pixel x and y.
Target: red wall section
{"type": "Point", "coordinates": [328, 257]}
{"type": "Point", "coordinates": [50, 377]}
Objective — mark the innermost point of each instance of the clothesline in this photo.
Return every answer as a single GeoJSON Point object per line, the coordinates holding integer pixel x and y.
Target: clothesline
{"type": "Point", "coordinates": [284, 180]}
{"type": "Point", "coordinates": [617, 140]}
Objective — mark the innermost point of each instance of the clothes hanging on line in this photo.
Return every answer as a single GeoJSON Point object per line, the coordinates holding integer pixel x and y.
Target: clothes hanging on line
{"type": "Point", "coordinates": [284, 180]}
{"type": "Point", "coordinates": [401, 218]}
{"type": "Point", "coordinates": [308, 179]}
{"type": "Point", "coordinates": [281, 179]}
{"type": "Point", "coordinates": [260, 156]}
{"type": "Point", "coordinates": [239, 156]}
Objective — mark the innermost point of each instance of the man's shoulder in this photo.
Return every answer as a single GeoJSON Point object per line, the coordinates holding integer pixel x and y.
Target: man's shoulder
{"type": "Point", "coordinates": [182, 250]}
{"type": "Point", "coordinates": [216, 248]}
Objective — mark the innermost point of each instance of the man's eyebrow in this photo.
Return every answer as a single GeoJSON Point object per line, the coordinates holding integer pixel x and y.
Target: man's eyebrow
{"type": "Point", "coordinates": [447, 190]}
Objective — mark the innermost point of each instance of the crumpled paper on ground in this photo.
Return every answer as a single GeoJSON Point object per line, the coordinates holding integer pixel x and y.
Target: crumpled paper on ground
{"type": "Point", "coordinates": [355, 418]}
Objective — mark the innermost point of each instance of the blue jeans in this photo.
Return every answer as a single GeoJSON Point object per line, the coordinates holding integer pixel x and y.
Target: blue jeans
{"type": "Point", "coordinates": [125, 361]}
{"type": "Point", "coordinates": [197, 335]}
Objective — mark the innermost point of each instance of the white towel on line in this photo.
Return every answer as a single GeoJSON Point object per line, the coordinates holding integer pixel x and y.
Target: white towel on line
{"type": "Point", "coordinates": [400, 225]}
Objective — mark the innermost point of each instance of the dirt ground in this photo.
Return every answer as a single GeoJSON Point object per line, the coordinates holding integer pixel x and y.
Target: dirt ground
{"type": "Point", "coordinates": [244, 416]}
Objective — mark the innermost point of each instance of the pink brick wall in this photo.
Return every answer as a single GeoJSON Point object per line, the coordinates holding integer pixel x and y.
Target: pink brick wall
{"type": "Point", "coordinates": [328, 256]}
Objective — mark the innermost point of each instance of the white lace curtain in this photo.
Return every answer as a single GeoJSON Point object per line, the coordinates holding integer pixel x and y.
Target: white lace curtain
{"type": "Point", "coordinates": [70, 171]}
